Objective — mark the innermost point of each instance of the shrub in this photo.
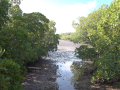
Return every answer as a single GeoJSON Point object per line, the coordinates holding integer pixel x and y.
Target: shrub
{"type": "Point", "coordinates": [10, 74]}
{"type": "Point", "coordinates": [86, 53]}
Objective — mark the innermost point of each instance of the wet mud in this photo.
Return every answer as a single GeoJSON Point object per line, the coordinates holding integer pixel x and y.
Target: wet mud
{"type": "Point", "coordinates": [60, 70]}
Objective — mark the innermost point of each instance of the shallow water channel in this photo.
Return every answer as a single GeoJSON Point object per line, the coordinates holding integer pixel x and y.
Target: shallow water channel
{"type": "Point", "coordinates": [64, 60]}
{"type": "Point", "coordinates": [60, 71]}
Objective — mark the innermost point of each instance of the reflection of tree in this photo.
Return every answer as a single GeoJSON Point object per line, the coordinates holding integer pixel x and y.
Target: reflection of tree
{"type": "Point", "coordinates": [76, 70]}
{"type": "Point", "coordinates": [81, 81]}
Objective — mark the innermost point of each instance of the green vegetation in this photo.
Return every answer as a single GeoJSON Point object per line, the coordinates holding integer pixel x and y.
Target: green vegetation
{"type": "Point", "coordinates": [66, 36]}
{"type": "Point", "coordinates": [101, 30]}
{"type": "Point", "coordinates": [10, 75]}
{"type": "Point", "coordinates": [24, 38]}
{"type": "Point", "coordinates": [86, 53]}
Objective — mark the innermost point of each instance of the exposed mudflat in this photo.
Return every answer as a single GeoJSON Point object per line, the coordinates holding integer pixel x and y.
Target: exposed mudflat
{"type": "Point", "coordinates": [58, 72]}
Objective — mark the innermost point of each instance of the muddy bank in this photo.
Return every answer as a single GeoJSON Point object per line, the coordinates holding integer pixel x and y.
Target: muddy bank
{"type": "Point", "coordinates": [40, 76]}
{"type": "Point", "coordinates": [68, 45]}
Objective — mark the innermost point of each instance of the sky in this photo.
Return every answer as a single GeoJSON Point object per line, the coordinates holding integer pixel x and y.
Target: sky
{"type": "Point", "coordinates": [63, 12]}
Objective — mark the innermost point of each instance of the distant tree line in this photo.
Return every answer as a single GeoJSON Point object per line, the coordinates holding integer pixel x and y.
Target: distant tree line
{"type": "Point", "coordinates": [66, 36]}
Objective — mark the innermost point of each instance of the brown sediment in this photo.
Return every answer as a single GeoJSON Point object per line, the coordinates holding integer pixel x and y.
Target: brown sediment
{"type": "Point", "coordinates": [39, 76]}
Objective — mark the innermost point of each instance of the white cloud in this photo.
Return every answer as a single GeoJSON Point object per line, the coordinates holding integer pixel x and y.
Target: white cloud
{"type": "Point", "coordinates": [63, 16]}
{"type": "Point", "coordinates": [66, 66]}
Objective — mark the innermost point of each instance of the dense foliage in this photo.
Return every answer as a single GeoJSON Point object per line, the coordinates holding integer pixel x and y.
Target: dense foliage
{"type": "Point", "coordinates": [86, 53]}
{"type": "Point", "coordinates": [25, 37]}
{"type": "Point", "coordinates": [10, 74]}
{"type": "Point", "coordinates": [101, 30]}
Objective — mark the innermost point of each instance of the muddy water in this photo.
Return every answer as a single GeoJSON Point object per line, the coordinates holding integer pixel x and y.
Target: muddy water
{"type": "Point", "coordinates": [60, 71]}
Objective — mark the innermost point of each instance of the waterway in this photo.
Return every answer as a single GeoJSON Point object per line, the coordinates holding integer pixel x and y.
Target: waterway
{"type": "Point", "coordinates": [60, 71]}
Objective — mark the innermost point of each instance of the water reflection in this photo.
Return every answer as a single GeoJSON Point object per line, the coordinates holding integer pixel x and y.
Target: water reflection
{"type": "Point", "coordinates": [63, 60]}
{"type": "Point", "coordinates": [65, 66]}
{"type": "Point", "coordinates": [82, 81]}
{"type": "Point", "coordinates": [66, 74]}
{"type": "Point", "coordinates": [69, 71]}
